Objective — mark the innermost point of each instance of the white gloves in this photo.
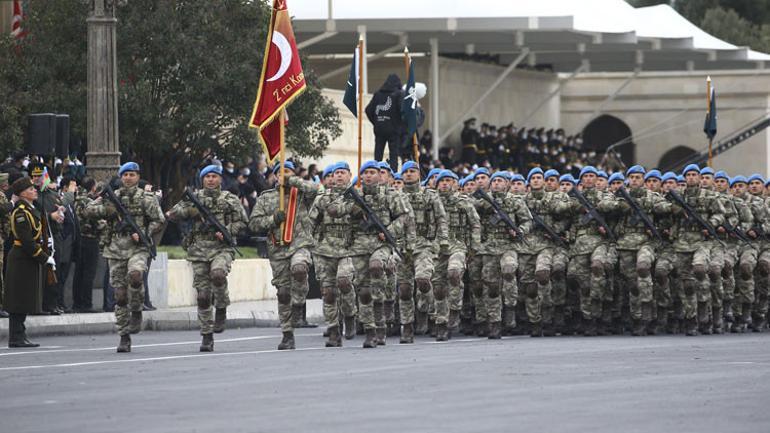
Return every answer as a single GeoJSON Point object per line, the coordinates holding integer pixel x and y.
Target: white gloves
{"type": "Point", "coordinates": [51, 262]}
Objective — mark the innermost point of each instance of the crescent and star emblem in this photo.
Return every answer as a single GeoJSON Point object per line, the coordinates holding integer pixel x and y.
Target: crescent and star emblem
{"type": "Point", "coordinates": [280, 41]}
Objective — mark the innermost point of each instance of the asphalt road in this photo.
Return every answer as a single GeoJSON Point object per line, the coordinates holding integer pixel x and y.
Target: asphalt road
{"type": "Point", "coordinates": [606, 384]}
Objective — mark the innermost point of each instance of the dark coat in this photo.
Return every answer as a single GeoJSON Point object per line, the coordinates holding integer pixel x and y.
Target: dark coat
{"type": "Point", "coordinates": [384, 110]}
{"type": "Point", "coordinates": [26, 268]}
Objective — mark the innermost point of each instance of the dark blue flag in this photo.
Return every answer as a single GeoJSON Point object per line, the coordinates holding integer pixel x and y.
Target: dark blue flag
{"type": "Point", "coordinates": [351, 88]}
{"type": "Point", "coordinates": [710, 125]}
{"type": "Point", "coordinates": [409, 105]}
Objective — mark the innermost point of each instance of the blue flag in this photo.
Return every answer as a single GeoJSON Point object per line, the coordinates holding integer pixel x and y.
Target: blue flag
{"type": "Point", "coordinates": [409, 105]}
{"type": "Point", "coordinates": [351, 88]}
{"type": "Point", "coordinates": [710, 125]}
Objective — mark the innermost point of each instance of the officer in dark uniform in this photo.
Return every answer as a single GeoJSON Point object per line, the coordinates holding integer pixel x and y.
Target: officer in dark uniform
{"type": "Point", "coordinates": [27, 262]}
{"type": "Point", "coordinates": [470, 138]}
{"type": "Point", "coordinates": [51, 207]}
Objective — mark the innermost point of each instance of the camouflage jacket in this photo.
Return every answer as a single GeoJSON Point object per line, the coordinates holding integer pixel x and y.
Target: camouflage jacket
{"type": "Point", "coordinates": [261, 219]}
{"type": "Point", "coordinates": [6, 208]}
{"type": "Point", "coordinates": [430, 221]}
{"type": "Point", "coordinates": [551, 207]}
{"type": "Point", "coordinates": [201, 242]}
{"type": "Point", "coordinates": [706, 203]}
{"type": "Point", "coordinates": [333, 236]}
{"type": "Point", "coordinates": [584, 232]}
{"type": "Point", "coordinates": [144, 209]}
{"type": "Point", "coordinates": [89, 227]}
{"type": "Point", "coordinates": [464, 224]}
{"type": "Point", "coordinates": [631, 231]}
{"type": "Point", "coordinates": [495, 234]}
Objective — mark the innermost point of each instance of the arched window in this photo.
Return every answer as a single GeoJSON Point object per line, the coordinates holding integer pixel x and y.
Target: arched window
{"type": "Point", "coordinates": [605, 131]}
{"type": "Point", "coordinates": [676, 158]}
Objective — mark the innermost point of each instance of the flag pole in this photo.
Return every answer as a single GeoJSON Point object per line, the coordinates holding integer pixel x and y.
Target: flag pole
{"type": "Point", "coordinates": [708, 110]}
{"type": "Point", "coordinates": [360, 89]}
{"type": "Point", "coordinates": [281, 178]}
{"type": "Point", "coordinates": [415, 149]}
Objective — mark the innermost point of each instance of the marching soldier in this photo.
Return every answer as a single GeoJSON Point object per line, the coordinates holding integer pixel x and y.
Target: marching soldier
{"type": "Point", "coordinates": [478, 180]}
{"type": "Point", "coordinates": [759, 313]}
{"type": "Point", "coordinates": [6, 207]}
{"type": "Point", "coordinates": [290, 241]}
{"type": "Point", "coordinates": [208, 252]}
{"type": "Point", "coordinates": [127, 254]}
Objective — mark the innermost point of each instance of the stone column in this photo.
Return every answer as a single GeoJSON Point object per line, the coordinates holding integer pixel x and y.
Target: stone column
{"type": "Point", "coordinates": [103, 156]}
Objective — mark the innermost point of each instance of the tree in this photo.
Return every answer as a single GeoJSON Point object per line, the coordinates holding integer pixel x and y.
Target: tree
{"type": "Point", "coordinates": [188, 72]}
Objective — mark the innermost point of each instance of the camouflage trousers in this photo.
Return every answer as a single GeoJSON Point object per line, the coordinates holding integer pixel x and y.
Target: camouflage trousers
{"type": "Point", "coordinates": [726, 278]}
{"type": "Point", "coordinates": [391, 290]}
{"type": "Point", "coordinates": [369, 284]}
{"type": "Point", "coordinates": [127, 277]}
{"type": "Point", "coordinates": [559, 262]}
{"type": "Point", "coordinates": [337, 277]}
{"type": "Point", "coordinates": [762, 285]}
{"type": "Point", "coordinates": [210, 283]}
{"type": "Point", "coordinates": [635, 274]}
{"type": "Point", "coordinates": [498, 274]}
{"type": "Point", "coordinates": [448, 285]}
{"type": "Point", "coordinates": [613, 284]}
{"type": "Point", "coordinates": [586, 272]}
{"type": "Point", "coordinates": [693, 269]}
{"type": "Point", "coordinates": [476, 286]}
{"type": "Point", "coordinates": [290, 279]}
{"type": "Point", "coordinates": [415, 270]}
{"type": "Point", "coordinates": [665, 277]}
{"type": "Point", "coordinates": [2, 281]}
{"type": "Point", "coordinates": [535, 281]}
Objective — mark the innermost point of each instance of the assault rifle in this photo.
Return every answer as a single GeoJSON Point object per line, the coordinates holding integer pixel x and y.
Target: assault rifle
{"type": "Point", "coordinates": [372, 220]}
{"type": "Point", "coordinates": [691, 214]}
{"type": "Point", "coordinates": [623, 193]}
{"type": "Point", "coordinates": [592, 213]}
{"type": "Point", "coordinates": [738, 233]}
{"type": "Point", "coordinates": [128, 220]}
{"type": "Point", "coordinates": [500, 215]}
{"type": "Point", "coordinates": [211, 220]}
{"type": "Point", "coordinates": [538, 220]}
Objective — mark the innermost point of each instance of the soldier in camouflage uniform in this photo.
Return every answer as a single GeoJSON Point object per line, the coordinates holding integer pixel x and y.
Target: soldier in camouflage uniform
{"type": "Point", "coordinates": [693, 247]}
{"type": "Point", "coordinates": [560, 255]}
{"type": "Point", "coordinates": [127, 256]}
{"type": "Point", "coordinates": [536, 263]}
{"type": "Point", "coordinates": [588, 255]}
{"type": "Point", "coordinates": [762, 270]}
{"type": "Point", "coordinates": [479, 180]}
{"type": "Point", "coordinates": [289, 244]}
{"type": "Point", "coordinates": [431, 234]}
{"type": "Point", "coordinates": [388, 301]}
{"type": "Point", "coordinates": [616, 299]}
{"type": "Point", "coordinates": [464, 239]}
{"type": "Point", "coordinates": [210, 257]}
{"type": "Point", "coordinates": [6, 207]}
{"type": "Point", "coordinates": [666, 287]}
{"type": "Point", "coordinates": [501, 246]}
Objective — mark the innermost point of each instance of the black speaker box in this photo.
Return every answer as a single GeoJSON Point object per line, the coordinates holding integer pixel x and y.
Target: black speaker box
{"type": "Point", "coordinates": [62, 135]}
{"type": "Point", "coordinates": [41, 133]}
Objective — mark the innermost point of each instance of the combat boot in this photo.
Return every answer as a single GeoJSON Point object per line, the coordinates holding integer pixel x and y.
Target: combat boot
{"type": "Point", "coordinates": [380, 336]}
{"type": "Point", "coordinates": [558, 320]}
{"type": "Point", "coordinates": [617, 326]}
{"type": "Point", "coordinates": [454, 322]}
{"type": "Point", "coordinates": [704, 325]}
{"type": "Point", "coordinates": [737, 326]}
{"type": "Point", "coordinates": [407, 334]}
{"type": "Point", "coordinates": [648, 319]}
{"type": "Point", "coordinates": [590, 328]}
{"type": "Point", "coordinates": [370, 342]}
{"type": "Point", "coordinates": [431, 327]}
{"type": "Point", "coordinates": [135, 322]}
{"type": "Point", "coordinates": [494, 331]}
{"type": "Point", "coordinates": [326, 333]}
{"type": "Point", "coordinates": [220, 319]}
{"type": "Point", "coordinates": [760, 323]}
{"type": "Point", "coordinates": [691, 327]}
{"type": "Point", "coordinates": [442, 332]}
{"type": "Point", "coordinates": [359, 328]}
{"type": "Point", "coordinates": [548, 329]}
{"type": "Point", "coordinates": [746, 315]}
{"type": "Point", "coordinates": [335, 339]}
{"type": "Point", "coordinates": [482, 329]}
{"type": "Point", "coordinates": [578, 322]}
{"type": "Point", "coordinates": [207, 345]}
{"type": "Point", "coordinates": [287, 343]}
{"type": "Point", "coordinates": [716, 320]}
{"type": "Point", "coordinates": [467, 327]}
{"type": "Point", "coordinates": [662, 320]}
{"type": "Point", "coordinates": [536, 330]}
{"type": "Point", "coordinates": [728, 312]}
{"type": "Point", "coordinates": [638, 328]}
{"type": "Point", "coordinates": [509, 321]}
{"type": "Point", "coordinates": [125, 344]}
{"type": "Point", "coordinates": [420, 323]}
{"type": "Point", "coordinates": [350, 327]}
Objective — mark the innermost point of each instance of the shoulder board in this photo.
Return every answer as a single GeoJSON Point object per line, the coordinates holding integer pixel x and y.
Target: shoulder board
{"type": "Point", "coordinates": [268, 191]}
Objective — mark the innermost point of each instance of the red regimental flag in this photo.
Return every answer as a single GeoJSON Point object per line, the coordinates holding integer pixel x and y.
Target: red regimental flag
{"type": "Point", "coordinates": [281, 80]}
{"type": "Point", "coordinates": [18, 16]}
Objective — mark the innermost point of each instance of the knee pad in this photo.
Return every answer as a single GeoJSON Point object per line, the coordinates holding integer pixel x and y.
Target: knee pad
{"type": "Point", "coordinates": [493, 291]}
{"type": "Point", "coordinates": [135, 279]}
{"type": "Point", "coordinates": [597, 269]}
{"type": "Point", "coordinates": [699, 271]}
{"type": "Point", "coordinates": [689, 287]}
{"type": "Point", "coordinates": [439, 292]}
{"type": "Point", "coordinates": [284, 297]}
{"type": "Point", "coordinates": [643, 271]}
{"type": "Point", "coordinates": [714, 274]}
{"type": "Point", "coordinates": [218, 277]}
{"type": "Point", "coordinates": [532, 290]}
{"type": "Point", "coordinates": [376, 268]}
{"type": "Point", "coordinates": [455, 277]}
{"type": "Point", "coordinates": [121, 296]}
{"type": "Point", "coordinates": [423, 284]}
{"type": "Point", "coordinates": [661, 277]}
{"type": "Point", "coordinates": [365, 295]}
{"type": "Point", "coordinates": [509, 273]}
{"type": "Point", "coordinates": [329, 295]}
{"type": "Point", "coordinates": [204, 299]}
{"type": "Point", "coordinates": [764, 268]}
{"type": "Point", "coordinates": [299, 272]}
{"type": "Point", "coordinates": [727, 272]}
{"type": "Point", "coordinates": [746, 272]}
{"type": "Point", "coordinates": [542, 276]}
{"type": "Point", "coordinates": [404, 292]}
{"type": "Point", "coordinates": [345, 284]}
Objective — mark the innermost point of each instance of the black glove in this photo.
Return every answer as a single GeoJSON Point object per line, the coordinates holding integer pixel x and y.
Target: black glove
{"type": "Point", "coordinates": [279, 217]}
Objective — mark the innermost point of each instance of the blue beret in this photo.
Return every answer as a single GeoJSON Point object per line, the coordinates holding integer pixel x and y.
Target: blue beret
{"type": "Point", "coordinates": [385, 166]}
{"type": "Point", "coordinates": [369, 164]}
{"type": "Point", "coordinates": [602, 173]}
{"type": "Point", "coordinates": [447, 173]}
{"type": "Point", "coordinates": [635, 169]}
{"type": "Point", "coordinates": [669, 175]}
{"type": "Point", "coordinates": [397, 176]}
{"type": "Point", "coordinates": [756, 176]}
{"type": "Point", "coordinates": [431, 173]}
{"type": "Point", "coordinates": [342, 165]}
{"type": "Point", "coordinates": [767, 182]}
{"type": "Point", "coordinates": [480, 170]}
{"type": "Point", "coordinates": [287, 164]}
{"type": "Point", "coordinates": [129, 166]}
{"type": "Point", "coordinates": [616, 177]}
{"type": "Point", "coordinates": [567, 178]}
{"type": "Point", "coordinates": [536, 170]}
{"type": "Point", "coordinates": [679, 178]}
{"type": "Point", "coordinates": [466, 179]}
{"type": "Point", "coordinates": [500, 174]}
{"type": "Point", "coordinates": [707, 170]}
{"type": "Point", "coordinates": [588, 169]}
{"type": "Point", "coordinates": [551, 173]}
{"type": "Point", "coordinates": [691, 167]}
{"type": "Point", "coordinates": [736, 179]}
{"type": "Point", "coordinates": [516, 177]}
{"type": "Point", "coordinates": [653, 173]}
{"type": "Point", "coordinates": [721, 174]}
{"type": "Point", "coordinates": [213, 168]}
{"type": "Point", "coordinates": [409, 164]}
{"type": "Point", "coordinates": [328, 171]}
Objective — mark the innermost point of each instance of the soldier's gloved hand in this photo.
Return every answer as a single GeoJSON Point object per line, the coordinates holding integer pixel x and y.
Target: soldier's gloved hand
{"type": "Point", "coordinates": [381, 236]}
{"type": "Point", "coordinates": [279, 217]}
{"type": "Point", "coordinates": [602, 230]}
{"type": "Point", "coordinates": [720, 230]}
{"type": "Point", "coordinates": [705, 233]}
{"type": "Point", "coordinates": [51, 261]}
{"type": "Point", "coordinates": [752, 234]}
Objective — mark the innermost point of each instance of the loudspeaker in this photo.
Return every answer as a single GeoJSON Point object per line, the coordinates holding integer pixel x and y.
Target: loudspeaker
{"type": "Point", "coordinates": [62, 135]}
{"type": "Point", "coordinates": [41, 134]}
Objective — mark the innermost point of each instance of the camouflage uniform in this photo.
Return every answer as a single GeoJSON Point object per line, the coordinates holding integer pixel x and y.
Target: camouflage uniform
{"type": "Point", "coordinates": [500, 255]}
{"type": "Point", "coordinates": [761, 269]}
{"type": "Point", "coordinates": [464, 240]}
{"type": "Point", "coordinates": [431, 233]}
{"type": "Point", "coordinates": [694, 254]}
{"type": "Point", "coordinates": [210, 258]}
{"type": "Point", "coordinates": [666, 285]}
{"type": "Point", "coordinates": [289, 262]}
{"type": "Point", "coordinates": [537, 260]}
{"type": "Point", "coordinates": [6, 207]}
{"type": "Point", "coordinates": [128, 259]}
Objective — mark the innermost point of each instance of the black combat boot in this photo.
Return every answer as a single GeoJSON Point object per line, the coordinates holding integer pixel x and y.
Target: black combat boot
{"type": "Point", "coordinates": [207, 344]}
{"type": "Point", "coordinates": [125, 344]}
{"type": "Point", "coordinates": [617, 326]}
{"type": "Point", "coordinates": [728, 311]}
{"type": "Point", "coordinates": [335, 339]}
{"type": "Point", "coordinates": [482, 329]}
{"type": "Point", "coordinates": [648, 319]}
{"type": "Point", "coordinates": [370, 342]}
{"type": "Point", "coordinates": [548, 329]}
{"type": "Point", "coordinates": [704, 325]}
{"type": "Point", "coordinates": [746, 315]}
{"type": "Point", "coordinates": [737, 326]}
{"type": "Point", "coordinates": [578, 322]}
{"type": "Point", "coordinates": [407, 334]}
{"type": "Point", "coordinates": [380, 336]}
{"type": "Point", "coordinates": [536, 330]}
{"type": "Point", "coordinates": [287, 343]}
{"type": "Point", "coordinates": [431, 326]}
{"type": "Point", "coordinates": [691, 327]}
{"type": "Point", "coordinates": [442, 332]}
{"type": "Point", "coordinates": [662, 320]}
{"type": "Point", "coordinates": [638, 328]}
{"type": "Point", "coordinates": [220, 319]}
{"type": "Point", "coordinates": [760, 323]}
{"type": "Point", "coordinates": [350, 327]}
{"type": "Point", "coordinates": [716, 320]}
{"type": "Point", "coordinates": [420, 323]}
{"type": "Point", "coordinates": [494, 331]}
{"type": "Point", "coordinates": [454, 322]}
{"type": "Point", "coordinates": [558, 319]}
{"type": "Point", "coordinates": [509, 321]}
{"type": "Point", "coordinates": [590, 327]}
{"type": "Point", "coordinates": [135, 322]}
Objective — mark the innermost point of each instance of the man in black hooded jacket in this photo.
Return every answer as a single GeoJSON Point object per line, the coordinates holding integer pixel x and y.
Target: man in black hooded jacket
{"type": "Point", "coordinates": [384, 111]}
